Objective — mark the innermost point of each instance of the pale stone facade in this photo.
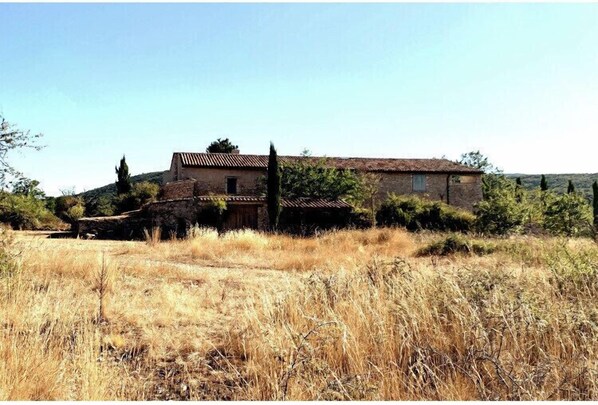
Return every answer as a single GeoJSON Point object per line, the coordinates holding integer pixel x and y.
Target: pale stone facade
{"type": "Point", "coordinates": [459, 190]}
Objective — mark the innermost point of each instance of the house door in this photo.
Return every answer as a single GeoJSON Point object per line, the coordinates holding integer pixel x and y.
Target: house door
{"type": "Point", "coordinates": [241, 216]}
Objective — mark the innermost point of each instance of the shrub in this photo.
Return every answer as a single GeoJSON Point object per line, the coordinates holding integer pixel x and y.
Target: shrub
{"type": "Point", "coordinates": [455, 243]}
{"type": "Point", "coordinates": [213, 213]}
{"type": "Point", "coordinates": [568, 214]}
{"type": "Point", "coordinates": [417, 214]}
{"type": "Point", "coordinates": [141, 194]}
{"type": "Point", "coordinates": [502, 211]}
{"type": "Point", "coordinates": [26, 212]}
{"type": "Point", "coordinates": [65, 210]}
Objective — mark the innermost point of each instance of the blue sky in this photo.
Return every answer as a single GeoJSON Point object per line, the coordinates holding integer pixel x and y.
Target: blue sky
{"type": "Point", "coordinates": [517, 81]}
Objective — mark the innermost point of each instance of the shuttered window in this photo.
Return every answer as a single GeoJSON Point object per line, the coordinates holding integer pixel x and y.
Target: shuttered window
{"type": "Point", "coordinates": [419, 182]}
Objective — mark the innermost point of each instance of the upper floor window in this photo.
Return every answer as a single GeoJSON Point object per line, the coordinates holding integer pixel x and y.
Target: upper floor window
{"type": "Point", "coordinates": [419, 182]}
{"type": "Point", "coordinates": [231, 185]}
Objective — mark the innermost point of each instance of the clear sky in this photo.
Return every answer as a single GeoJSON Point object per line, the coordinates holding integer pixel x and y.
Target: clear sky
{"type": "Point", "coordinates": [517, 81]}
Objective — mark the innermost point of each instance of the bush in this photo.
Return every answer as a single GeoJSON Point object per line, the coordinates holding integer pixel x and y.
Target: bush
{"type": "Point", "coordinates": [65, 208]}
{"type": "Point", "coordinates": [456, 243]}
{"type": "Point", "coordinates": [213, 213]}
{"type": "Point", "coordinates": [141, 194]}
{"type": "Point", "coordinates": [26, 212]}
{"type": "Point", "coordinates": [568, 215]}
{"type": "Point", "coordinates": [417, 214]}
{"type": "Point", "coordinates": [502, 210]}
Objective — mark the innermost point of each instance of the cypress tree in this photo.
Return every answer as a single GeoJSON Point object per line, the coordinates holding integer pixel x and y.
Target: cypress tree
{"type": "Point", "coordinates": [518, 181]}
{"type": "Point", "coordinates": [123, 179]}
{"type": "Point", "coordinates": [595, 202]}
{"type": "Point", "coordinates": [543, 183]}
{"type": "Point", "coordinates": [570, 187]}
{"type": "Point", "coordinates": [274, 188]}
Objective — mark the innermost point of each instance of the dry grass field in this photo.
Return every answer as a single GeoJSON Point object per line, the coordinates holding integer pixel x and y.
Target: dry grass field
{"type": "Point", "coordinates": [344, 315]}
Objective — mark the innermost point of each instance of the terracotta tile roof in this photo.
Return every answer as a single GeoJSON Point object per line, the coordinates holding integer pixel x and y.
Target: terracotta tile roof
{"type": "Point", "coordinates": [301, 202]}
{"type": "Point", "coordinates": [305, 202]}
{"type": "Point", "coordinates": [231, 160]}
{"type": "Point", "coordinates": [232, 198]}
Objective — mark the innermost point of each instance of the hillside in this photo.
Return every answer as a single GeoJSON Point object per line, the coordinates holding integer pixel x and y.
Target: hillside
{"type": "Point", "coordinates": [581, 181]}
{"type": "Point", "coordinates": [110, 189]}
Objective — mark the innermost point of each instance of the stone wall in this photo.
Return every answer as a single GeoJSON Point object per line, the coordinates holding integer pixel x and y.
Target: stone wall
{"type": "Point", "coordinates": [463, 191]}
{"type": "Point", "coordinates": [173, 216]}
{"type": "Point", "coordinates": [210, 180]}
{"type": "Point", "coordinates": [177, 190]}
{"type": "Point", "coordinates": [126, 226]}
{"type": "Point", "coordinates": [402, 183]}
{"type": "Point", "coordinates": [466, 194]}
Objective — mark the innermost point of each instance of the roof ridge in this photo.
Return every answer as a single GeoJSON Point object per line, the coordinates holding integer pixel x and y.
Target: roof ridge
{"type": "Point", "coordinates": [313, 157]}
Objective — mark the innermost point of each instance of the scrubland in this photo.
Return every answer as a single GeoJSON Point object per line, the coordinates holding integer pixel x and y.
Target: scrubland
{"type": "Point", "coordinates": [375, 314]}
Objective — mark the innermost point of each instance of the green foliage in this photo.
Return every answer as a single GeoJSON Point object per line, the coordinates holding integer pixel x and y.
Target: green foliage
{"type": "Point", "coordinates": [75, 212]}
{"type": "Point", "coordinates": [213, 213]}
{"type": "Point", "coordinates": [559, 182]}
{"type": "Point", "coordinates": [28, 187]}
{"type": "Point", "coordinates": [508, 208]}
{"type": "Point", "coordinates": [26, 212]}
{"type": "Point", "coordinates": [99, 206]}
{"type": "Point", "coordinates": [221, 146]}
{"type": "Point", "coordinates": [501, 211]}
{"type": "Point", "coordinates": [123, 180]}
{"type": "Point", "coordinates": [417, 214]}
{"type": "Point", "coordinates": [543, 183]}
{"type": "Point", "coordinates": [309, 178]}
{"type": "Point", "coordinates": [274, 190]}
{"type": "Point", "coordinates": [65, 208]}
{"type": "Point", "coordinates": [109, 190]}
{"type": "Point", "coordinates": [12, 138]}
{"type": "Point", "coordinates": [595, 202]}
{"type": "Point", "coordinates": [568, 214]}
{"type": "Point", "coordinates": [140, 194]}
{"type": "Point", "coordinates": [456, 243]}
{"type": "Point", "coordinates": [478, 161]}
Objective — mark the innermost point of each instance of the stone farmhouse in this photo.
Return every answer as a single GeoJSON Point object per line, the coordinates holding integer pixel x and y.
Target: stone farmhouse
{"type": "Point", "coordinates": [196, 176]}
{"type": "Point", "coordinates": [194, 180]}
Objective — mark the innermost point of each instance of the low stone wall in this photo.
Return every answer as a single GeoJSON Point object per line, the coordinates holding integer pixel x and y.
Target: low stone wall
{"type": "Point", "coordinates": [127, 226]}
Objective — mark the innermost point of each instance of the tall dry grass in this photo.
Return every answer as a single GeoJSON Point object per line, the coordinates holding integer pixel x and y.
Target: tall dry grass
{"type": "Point", "coordinates": [251, 249]}
{"type": "Point", "coordinates": [410, 332]}
{"type": "Point", "coordinates": [341, 317]}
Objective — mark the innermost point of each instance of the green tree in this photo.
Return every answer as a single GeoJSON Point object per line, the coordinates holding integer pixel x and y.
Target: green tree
{"type": "Point", "coordinates": [221, 146]}
{"type": "Point", "coordinates": [12, 138]}
{"type": "Point", "coordinates": [501, 212]}
{"type": "Point", "coordinates": [28, 187]}
{"type": "Point", "coordinates": [478, 161]}
{"type": "Point", "coordinates": [568, 214]}
{"type": "Point", "coordinates": [543, 183]}
{"type": "Point", "coordinates": [369, 187]}
{"type": "Point", "coordinates": [313, 178]}
{"type": "Point", "coordinates": [595, 203]}
{"type": "Point", "coordinates": [123, 178]}
{"type": "Point", "coordinates": [570, 187]}
{"type": "Point", "coordinates": [99, 206]}
{"type": "Point", "coordinates": [274, 191]}
{"type": "Point", "coordinates": [140, 194]}
{"type": "Point", "coordinates": [518, 181]}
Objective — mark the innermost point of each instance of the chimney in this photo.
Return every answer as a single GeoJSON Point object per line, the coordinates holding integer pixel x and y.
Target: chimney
{"type": "Point", "coordinates": [235, 151]}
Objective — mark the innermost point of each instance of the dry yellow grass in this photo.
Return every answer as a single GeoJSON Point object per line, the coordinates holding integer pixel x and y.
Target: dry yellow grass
{"type": "Point", "coordinates": [346, 315]}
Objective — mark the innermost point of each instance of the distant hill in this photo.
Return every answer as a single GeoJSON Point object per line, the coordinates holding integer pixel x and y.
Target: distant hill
{"type": "Point", "coordinates": [110, 189]}
{"type": "Point", "coordinates": [558, 182]}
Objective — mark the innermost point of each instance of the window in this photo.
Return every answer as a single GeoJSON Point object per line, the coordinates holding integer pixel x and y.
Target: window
{"type": "Point", "coordinates": [231, 185]}
{"type": "Point", "coordinates": [419, 182]}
